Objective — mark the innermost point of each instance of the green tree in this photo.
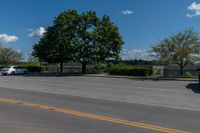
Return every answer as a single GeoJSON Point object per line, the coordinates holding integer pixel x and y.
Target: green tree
{"type": "Point", "coordinates": [85, 41]}
{"type": "Point", "coordinates": [56, 44]}
{"type": "Point", "coordinates": [83, 38]}
{"type": "Point", "coordinates": [97, 40]}
{"type": "Point", "coordinates": [9, 56]}
{"type": "Point", "coordinates": [182, 49]}
{"type": "Point", "coordinates": [109, 41]}
{"type": "Point", "coordinates": [33, 61]}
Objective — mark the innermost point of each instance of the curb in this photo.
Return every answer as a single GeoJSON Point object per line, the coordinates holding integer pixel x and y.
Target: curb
{"type": "Point", "coordinates": [113, 76]}
{"type": "Point", "coordinates": [141, 78]}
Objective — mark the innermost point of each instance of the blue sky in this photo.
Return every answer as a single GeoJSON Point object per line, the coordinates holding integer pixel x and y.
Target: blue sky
{"type": "Point", "coordinates": [142, 23]}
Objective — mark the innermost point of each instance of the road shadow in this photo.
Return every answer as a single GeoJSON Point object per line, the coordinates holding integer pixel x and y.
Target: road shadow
{"type": "Point", "coordinates": [195, 87]}
{"type": "Point", "coordinates": [151, 78]}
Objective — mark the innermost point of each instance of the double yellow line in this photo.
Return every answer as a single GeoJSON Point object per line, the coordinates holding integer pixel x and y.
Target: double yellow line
{"type": "Point", "coordinates": [93, 116]}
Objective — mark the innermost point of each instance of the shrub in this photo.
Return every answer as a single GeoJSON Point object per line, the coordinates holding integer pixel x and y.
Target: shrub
{"type": "Point", "coordinates": [187, 75]}
{"type": "Point", "coordinates": [100, 67]}
{"type": "Point", "coordinates": [122, 69]}
{"type": "Point", "coordinates": [32, 68]}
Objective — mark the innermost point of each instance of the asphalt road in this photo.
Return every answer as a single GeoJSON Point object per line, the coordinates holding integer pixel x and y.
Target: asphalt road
{"type": "Point", "coordinates": [96, 105]}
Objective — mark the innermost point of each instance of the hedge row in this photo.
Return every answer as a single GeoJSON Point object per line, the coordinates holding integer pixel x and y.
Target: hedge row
{"type": "Point", "coordinates": [130, 70]}
{"type": "Point", "coordinates": [32, 68]}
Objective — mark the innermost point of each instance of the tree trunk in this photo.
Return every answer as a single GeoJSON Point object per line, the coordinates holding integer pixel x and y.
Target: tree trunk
{"type": "Point", "coordinates": [84, 67]}
{"type": "Point", "coordinates": [181, 70]}
{"type": "Point", "coordinates": [61, 67]}
{"type": "Point", "coordinates": [58, 67]}
{"type": "Point", "coordinates": [108, 67]}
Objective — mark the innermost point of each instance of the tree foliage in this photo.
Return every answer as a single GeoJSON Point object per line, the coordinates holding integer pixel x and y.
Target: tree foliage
{"type": "Point", "coordinates": [9, 56]}
{"type": "Point", "coordinates": [109, 40]}
{"type": "Point", "coordinates": [85, 41]}
{"type": "Point", "coordinates": [182, 49]}
{"type": "Point", "coordinates": [97, 39]}
{"type": "Point", "coordinates": [33, 61]}
{"type": "Point", "coordinates": [56, 44]}
{"type": "Point", "coordinates": [83, 38]}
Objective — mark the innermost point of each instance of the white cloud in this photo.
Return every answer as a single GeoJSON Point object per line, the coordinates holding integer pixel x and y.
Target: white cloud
{"type": "Point", "coordinates": [194, 7]}
{"type": "Point", "coordinates": [127, 12]}
{"type": "Point", "coordinates": [131, 54]}
{"type": "Point", "coordinates": [19, 50]}
{"type": "Point", "coordinates": [37, 32]}
{"type": "Point", "coordinates": [4, 38]}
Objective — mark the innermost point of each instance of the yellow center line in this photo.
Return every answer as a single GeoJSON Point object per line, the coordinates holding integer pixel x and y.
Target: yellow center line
{"type": "Point", "coordinates": [93, 116]}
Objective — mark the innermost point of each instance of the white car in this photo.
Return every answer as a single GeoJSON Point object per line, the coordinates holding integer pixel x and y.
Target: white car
{"type": "Point", "coordinates": [13, 70]}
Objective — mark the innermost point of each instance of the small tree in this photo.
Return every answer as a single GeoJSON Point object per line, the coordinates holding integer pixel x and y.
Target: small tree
{"type": "Point", "coordinates": [9, 56]}
{"type": "Point", "coordinates": [182, 49]}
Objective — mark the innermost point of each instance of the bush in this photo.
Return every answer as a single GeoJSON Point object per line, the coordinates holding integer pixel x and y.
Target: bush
{"type": "Point", "coordinates": [32, 68]}
{"type": "Point", "coordinates": [130, 70]}
{"type": "Point", "coordinates": [100, 67]}
{"type": "Point", "coordinates": [187, 75]}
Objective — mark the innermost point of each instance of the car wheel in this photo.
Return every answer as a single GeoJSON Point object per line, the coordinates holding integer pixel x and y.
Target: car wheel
{"type": "Point", "coordinates": [12, 73]}
{"type": "Point", "coordinates": [25, 72]}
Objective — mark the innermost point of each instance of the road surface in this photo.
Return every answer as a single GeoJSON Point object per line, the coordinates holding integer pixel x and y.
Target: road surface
{"type": "Point", "coordinates": [96, 105]}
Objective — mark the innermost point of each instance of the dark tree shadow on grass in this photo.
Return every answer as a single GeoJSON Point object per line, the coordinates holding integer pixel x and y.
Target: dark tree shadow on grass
{"type": "Point", "coordinates": [195, 87]}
